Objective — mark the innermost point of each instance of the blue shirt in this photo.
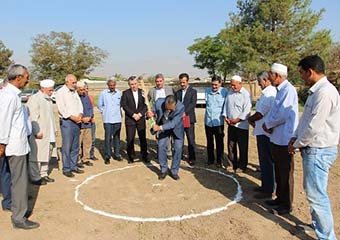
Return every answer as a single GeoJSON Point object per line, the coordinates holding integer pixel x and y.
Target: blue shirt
{"type": "Point", "coordinates": [109, 106]}
{"type": "Point", "coordinates": [87, 110]}
{"type": "Point", "coordinates": [284, 115]}
{"type": "Point", "coordinates": [214, 107]}
{"type": "Point", "coordinates": [238, 105]}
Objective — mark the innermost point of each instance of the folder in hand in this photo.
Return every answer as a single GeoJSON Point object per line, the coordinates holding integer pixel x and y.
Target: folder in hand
{"type": "Point", "coordinates": [186, 121]}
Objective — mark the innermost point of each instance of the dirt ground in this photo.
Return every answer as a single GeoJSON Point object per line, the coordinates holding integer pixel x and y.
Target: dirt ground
{"type": "Point", "coordinates": [125, 191]}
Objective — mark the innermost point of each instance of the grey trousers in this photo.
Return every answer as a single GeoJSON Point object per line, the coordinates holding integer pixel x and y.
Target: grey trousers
{"type": "Point", "coordinates": [19, 181]}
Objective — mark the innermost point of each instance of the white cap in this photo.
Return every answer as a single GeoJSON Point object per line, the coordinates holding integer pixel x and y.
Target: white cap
{"type": "Point", "coordinates": [81, 84]}
{"type": "Point", "coordinates": [236, 78]}
{"type": "Point", "coordinates": [279, 69]}
{"type": "Point", "coordinates": [46, 83]}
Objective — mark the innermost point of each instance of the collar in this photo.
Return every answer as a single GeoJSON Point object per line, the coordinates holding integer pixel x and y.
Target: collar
{"type": "Point", "coordinates": [282, 85]}
{"type": "Point", "coordinates": [13, 88]}
{"type": "Point", "coordinates": [317, 85]}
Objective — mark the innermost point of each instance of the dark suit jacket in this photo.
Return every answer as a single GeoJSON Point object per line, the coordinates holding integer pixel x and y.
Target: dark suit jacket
{"type": "Point", "coordinates": [190, 99]}
{"type": "Point", "coordinates": [129, 106]}
{"type": "Point", "coordinates": [175, 119]}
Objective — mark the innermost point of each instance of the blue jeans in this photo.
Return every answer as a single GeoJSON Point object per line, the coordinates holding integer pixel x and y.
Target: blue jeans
{"type": "Point", "coordinates": [112, 130]}
{"type": "Point", "coordinates": [5, 184]}
{"type": "Point", "coordinates": [316, 164]}
{"type": "Point", "coordinates": [93, 139]}
{"type": "Point", "coordinates": [70, 132]}
{"type": "Point", "coordinates": [177, 153]}
{"type": "Point", "coordinates": [264, 150]}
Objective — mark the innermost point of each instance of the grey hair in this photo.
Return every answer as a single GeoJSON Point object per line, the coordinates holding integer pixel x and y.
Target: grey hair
{"type": "Point", "coordinates": [15, 70]}
{"type": "Point", "coordinates": [159, 75]}
{"type": "Point", "coordinates": [262, 75]}
{"type": "Point", "coordinates": [110, 80]}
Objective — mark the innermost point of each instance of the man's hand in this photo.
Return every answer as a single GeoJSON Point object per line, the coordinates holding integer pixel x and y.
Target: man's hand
{"type": "Point", "coordinates": [2, 150]}
{"type": "Point", "coordinates": [136, 116]}
{"type": "Point", "coordinates": [227, 120]}
{"type": "Point", "coordinates": [156, 128]}
{"type": "Point", "coordinates": [86, 119]}
{"type": "Point", "coordinates": [150, 114]}
{"type": "Point", "coordinates": [270, 131]}
{"type": "Point", "coordinates": [291, 149]}
{"type": "Point", "coordinates": [252, 123]}
{"type": "Point", "coordinates": [234, 121]}
{"type": "Point", "coordinates": [39, 136]}
{"type": "Point", "coordinates": [76, 119]}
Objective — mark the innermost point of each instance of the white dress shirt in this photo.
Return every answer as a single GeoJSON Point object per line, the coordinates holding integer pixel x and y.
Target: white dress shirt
{"type": "Point", "coordinates": [68, 102]}
{"type": "Point", "coordinates": [13, 132]}
{"type": "Point", "coordinates": [160, 93]}
{"type": "Point", "coordinates": [263, 105]}
{"type": "Point", "coordinates": [135, 96]}
{"type": "Point", "coordinates": [284, 115]}
{"type": "Point", "coordinates": [319, 125]}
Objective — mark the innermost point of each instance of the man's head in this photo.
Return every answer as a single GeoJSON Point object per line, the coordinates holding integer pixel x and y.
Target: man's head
{"type": "Point", "coordinates": [170, 103]}
{"type": "Point", "coordinates": [278, 73]}
{"type": "Point", "coordinates": [86, 89]}
{"type": "Point", "coordinates": [311, 69]}
{"type": "Point", "coordinates": [184, 80]}
{"type": "Point", "coordinates": [81, 88]}
{"type": "Point", "coordinates": [236, 83]}
{"type": "Point", "coordinates": [71, 82]}
{"type": "Point", "coordinates": [111, 84]}
{"type": "Point", "coordinates": [159, 80]}
{"type": "Point", "coordinates": [263, 79]}
{"type": "Point", "coordinates": [47, 87]}
{"type": "Point", "coordinates": [216, 83]}
{"type": "Point", "coordinates": [133, 83]}
{"type": "Point", "coordinates": [18, 75]}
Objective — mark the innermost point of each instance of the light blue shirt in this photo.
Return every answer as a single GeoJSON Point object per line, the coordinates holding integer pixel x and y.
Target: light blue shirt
{"type": "Point", "coordinates": [238, 105]}
{"type": "Point", "coordinates": [214, 107]}
{"type": "Point", "coordinates": [109, 106]}
{"type": "Point", "coordinates": [284, 115]}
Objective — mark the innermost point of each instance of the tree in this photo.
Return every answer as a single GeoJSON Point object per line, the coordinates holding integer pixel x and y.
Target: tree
{"type": "Point", "coordinates": [5, 61]}
{"type": "Point", "coordinates": [58, 54]}
{"type": "Point", "coordinates": [265, 31]}
{"type": "Point", "coordinates": [333, 63]}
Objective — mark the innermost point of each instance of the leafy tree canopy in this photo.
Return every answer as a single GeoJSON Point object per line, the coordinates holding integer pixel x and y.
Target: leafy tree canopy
{"type": "Point", "coordinates": [5, 61]}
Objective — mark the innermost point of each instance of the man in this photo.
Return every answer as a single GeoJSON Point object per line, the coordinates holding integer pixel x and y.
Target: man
{"type": "Point", "coordinates": [188, 96]}
{"type": "Point", "coordinates": [70, 111]}
{"type": "Point", "coordinates": [317, 137]}
{"type": "Point", "coordinates": [236, 112]}
{"type": "Point", "coordinates": [214, 120]}
{"type": "Point", "coordinates": [109, 106]}
{"type": "Point", "coordinates": [14, 143]}
{"type": "Point", "coordinates": [169, 123]}
{"type": "Point", "coordinates": [43, 137]}
{"type": "Point", "coordinates": [85, 140]}
{"type": "Point", "coordinates": [159, 90]}
{"type": "Point", "coordinates": [263, 106]}
{"type": "Point", "coordinates": [281, 124]}
{"type": "Point", "coordinates": [93, 125]}
{"type": "Point", "coordinates": [135, 108]}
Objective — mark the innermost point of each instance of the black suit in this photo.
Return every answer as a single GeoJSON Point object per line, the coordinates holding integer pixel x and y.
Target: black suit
{"type": "Point", "coordinates": [129, 106]}
{"type": "Point", "coordinates": [189, 101]}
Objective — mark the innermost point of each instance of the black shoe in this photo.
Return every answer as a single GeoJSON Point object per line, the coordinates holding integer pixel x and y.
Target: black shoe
{"type": "Point", "coordinates": [118, 158]}
{"type": "Point", "coordinates": [39, 182]}
{"type": "Point", "coordinates": [94, 158]}
{"type": "Point", "coordinates": [281, 210]}
{"type": "Point", "coordinates": [48, 179]}
{"type": "Point", "coordinates": [77, 170]}
{"type": "Point", "coordinates": [191, 162]}
{"type": "Point", "coordinates": [27, 224]}
{"type": "Point", "coordinates": [107, 161]}
{"type": "Point", "coordinates": [174, 176]}
{"type": "Point", "coordinates": [145, 159]}
{"type": "Point", "coordinates": [306, 228]}
{"type": "Point", "coordinates": [161, 176]}
{"type": "Point", "coordinates": [68, 174]}
{"type": "Point", "coordinates": [275, 202]}
{"type": "Point", "coordinates": [88, 163]}
{"type": "Point", "coordinates": [218, 165]}
{"type": "Point", "coordinates": [130, 161]}
{"type": "Point", "coordinates": [80, 165]}
{"type": "Point", "coordinates": [210, 163]}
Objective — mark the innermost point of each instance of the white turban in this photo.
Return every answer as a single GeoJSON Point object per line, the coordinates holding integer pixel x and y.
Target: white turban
{"type": "Point", "coordinates": [279, 69]}
{"type": "Point", "coordinates": [46, 83]}
{"type": "Point", "coordinates": [236, 78]}
{"type": "Point", "coordinates": [81, 84]}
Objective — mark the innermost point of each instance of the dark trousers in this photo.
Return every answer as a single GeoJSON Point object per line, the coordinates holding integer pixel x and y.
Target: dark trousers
{"type": "Point", "coordinates": [93, 139]}
{"type": "Point", "coordinates": [112, 132]}
{"type": "Point", "coordinates": [264, 150]}
{"type": "Point", "coordinates": [217, 133]}
{"type": "Point", "coordinates": [19, 187]}
{"type": "Point", "coordinates": [238, 137]}
{"type": "Point", "coordinates": [5, 183]}
{"type": "Point", "coordinates": [130, 140]}
{"type": "Point", "coordinates": [70, 133]}
{"type": "Point", "coordinates": [190, 133]}
{"type": "Point", "coordinates": [284, 169]}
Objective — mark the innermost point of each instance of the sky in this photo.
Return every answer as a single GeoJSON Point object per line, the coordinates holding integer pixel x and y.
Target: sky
{"type": "Point", "coordinates": [141, 36]}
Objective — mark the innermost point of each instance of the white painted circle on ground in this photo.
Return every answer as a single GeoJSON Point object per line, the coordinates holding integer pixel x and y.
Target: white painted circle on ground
{"type": "Point", "coordinates": [237, 198]}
